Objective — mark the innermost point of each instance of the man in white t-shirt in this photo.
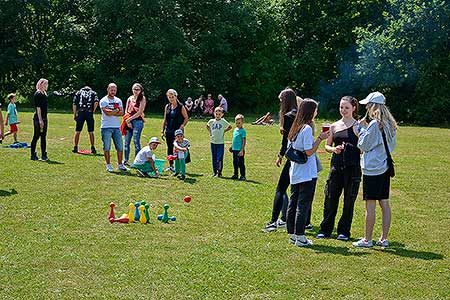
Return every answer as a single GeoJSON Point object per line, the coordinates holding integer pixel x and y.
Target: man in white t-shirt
{"type": "Point", "coordinates": [112, 108]}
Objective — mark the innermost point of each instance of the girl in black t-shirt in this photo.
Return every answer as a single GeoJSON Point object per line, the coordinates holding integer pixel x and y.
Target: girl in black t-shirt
{"type": "Point", "coordinates": [40, 119]}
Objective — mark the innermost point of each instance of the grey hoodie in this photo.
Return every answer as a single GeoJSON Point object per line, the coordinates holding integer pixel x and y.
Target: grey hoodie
{"type": "Point", "coordinates": [374, 158]}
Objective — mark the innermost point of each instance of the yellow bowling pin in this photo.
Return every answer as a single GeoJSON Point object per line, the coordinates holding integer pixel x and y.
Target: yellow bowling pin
{"type": "Point", "coordinates": [131, 213]}
{"type": "Point", "coordinates": [142, 218]}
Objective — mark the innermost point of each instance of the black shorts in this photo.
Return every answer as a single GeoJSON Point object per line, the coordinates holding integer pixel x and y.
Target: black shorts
{"type": "Point", "coordinates": [85, 116]}
{"type": "Point", "coordinates": [376, 187]}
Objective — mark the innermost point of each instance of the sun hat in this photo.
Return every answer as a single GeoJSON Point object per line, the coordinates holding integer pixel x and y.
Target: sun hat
{"type": "Point", "coordinates": [154, 140]}
{"type": "Point", "coordinates": [374, 97]}
{"type": "Point", "coordinates": [178, 131]}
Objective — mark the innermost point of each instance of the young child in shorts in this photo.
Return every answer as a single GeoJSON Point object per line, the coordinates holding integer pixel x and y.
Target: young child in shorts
{"type": "Point", "coordinates": [181, 150]}
{"type": "Point", "coordinates": [144, 162]}
{"type": "Point", "coordinates": [11, 117]}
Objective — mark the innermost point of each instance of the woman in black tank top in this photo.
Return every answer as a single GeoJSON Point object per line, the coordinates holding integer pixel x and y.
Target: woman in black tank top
{"type": "Point", "coordinates": [345, 171]}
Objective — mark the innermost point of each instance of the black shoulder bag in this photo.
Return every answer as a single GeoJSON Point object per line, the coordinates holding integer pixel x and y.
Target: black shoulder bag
{"type": "Point", "coordinates": [390, 161]}
{"type": "Point", "coordinates": [295, 155]}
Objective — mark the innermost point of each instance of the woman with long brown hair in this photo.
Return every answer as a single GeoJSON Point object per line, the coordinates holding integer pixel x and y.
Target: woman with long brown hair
{"type": "Point", "coordinates": [288, 111]}
{"type": "Point", "coordinates": [345, 172]}
{"type": "Point", "coordinates": [303, 177]}
{"type": "Point", "coordinates": [135, 120]}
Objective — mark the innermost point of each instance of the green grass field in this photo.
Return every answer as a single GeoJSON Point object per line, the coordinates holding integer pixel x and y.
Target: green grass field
{"type": "Point", "coordinates": [56, 241]}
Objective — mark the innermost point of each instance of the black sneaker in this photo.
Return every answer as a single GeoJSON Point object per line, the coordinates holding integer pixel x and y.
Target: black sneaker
{"type": "Point", "coordinates": [142, 173]}
{"type": "Point", "coordinates": [182, 177]}
{"type": "Point", "coordinates": [34, 157]}
{"type": "Point", "coordinates": [75, 149]}
{"type": "Point", "coordinates": [175, 174]}
{"type": "Point", "coordinates": [44, 157]}
{"type": "Point", "coordinates": [271, 226]}
{"type": "Point", "coordinates": [309, 227]}
{"type": "Point", "coordinates": [234, 177]}
{"type": "Point", "coordinates": [219, 175]}
{"type": "Point", "coordinates": [242, 178]}
{"type": "Point", "coordinates": [93, 151]}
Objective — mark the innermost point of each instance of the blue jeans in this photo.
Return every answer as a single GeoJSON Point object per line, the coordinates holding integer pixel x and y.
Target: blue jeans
{"type": "Point", "coordinates": [134, 133]}
{"type": "Point", "coordinates": [217, 157]}
{"type": "Point", "coordinates": [116, 135]}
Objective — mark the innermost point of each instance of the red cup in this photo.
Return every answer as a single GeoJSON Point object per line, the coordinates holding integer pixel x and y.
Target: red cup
{"type": "Point", "coordinates": [325, 127]}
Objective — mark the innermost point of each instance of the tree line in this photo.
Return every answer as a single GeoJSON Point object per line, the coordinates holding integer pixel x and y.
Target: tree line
{"type": "Point", "coordinates": [247, 50]}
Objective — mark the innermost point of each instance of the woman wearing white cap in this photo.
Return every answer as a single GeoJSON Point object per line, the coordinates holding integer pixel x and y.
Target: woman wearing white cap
{"type": "Point", "coordinates": [375, 140]}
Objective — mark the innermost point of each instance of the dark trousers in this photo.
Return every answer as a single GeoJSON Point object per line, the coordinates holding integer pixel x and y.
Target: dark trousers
{"type": "Point", "coordinates": [347, 180]}
{"type": "Point", "coordinates": [217, 157]}
{"type": "Point", "coordinates": [39, 134]}
{"type": "Point", "coordinates": [238, 163]}
{"type": "Point", "coordinates": [280, 200]}
{"type": "Point", "coordinates": [299, 207]}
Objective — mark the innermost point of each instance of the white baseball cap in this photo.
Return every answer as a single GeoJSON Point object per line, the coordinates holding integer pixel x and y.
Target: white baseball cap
{"type": "Point", "coordinates": [154, 140]}
{"type": "Point", "coordinates": [374, 97]}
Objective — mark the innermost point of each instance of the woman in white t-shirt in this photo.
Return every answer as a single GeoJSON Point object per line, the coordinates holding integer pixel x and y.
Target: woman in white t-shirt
{"type": "Point", "coordinates": [303, 177]}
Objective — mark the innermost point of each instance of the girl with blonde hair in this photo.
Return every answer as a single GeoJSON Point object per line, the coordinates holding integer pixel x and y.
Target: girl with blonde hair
{"type": "Point", "coordinates": [40, 121]}
{"type": "Point", "coordinates": [377, 140]}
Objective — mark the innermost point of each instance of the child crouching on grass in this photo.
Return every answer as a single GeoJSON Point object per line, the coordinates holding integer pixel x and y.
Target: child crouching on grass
{"type": "Point", "coordinates": [143, 162]}
{"type": "Point", "coordinates": [11, 117]}
{"type": "Point", "coordinates": [181, 149]}
{"type": "Point", "coordinates": [238, 147]}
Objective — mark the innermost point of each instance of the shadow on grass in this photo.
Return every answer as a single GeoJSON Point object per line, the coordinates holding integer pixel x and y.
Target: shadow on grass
{"type": "Point", "coordinates": [190, 180]}
{"type": "Point", "coordinates": [132, 174]}
{"type": "Point", "coordinates": [4, 193]}
{"type": "Point", "coordinates": [194, 175]}
{"type": "Point", "coordinates": [337, 250]}
{"type": "Point", "coordinates": [247, 180]}
{"type": "Point", "coordinates": [53, 162]}
{"type": "Point", "coordinates": [399, 249]}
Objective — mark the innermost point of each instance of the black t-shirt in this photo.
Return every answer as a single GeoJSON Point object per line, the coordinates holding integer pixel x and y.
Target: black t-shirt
{"type": "Point", "coordinates": [84, 99]}
{"type": "Point", "coordinates": [40, 100]}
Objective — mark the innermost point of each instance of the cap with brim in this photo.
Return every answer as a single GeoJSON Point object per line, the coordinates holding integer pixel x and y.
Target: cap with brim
{"type": "Point", "coordinates": [178, 131]}
{"type": "Point", "coordinates": [154, 140]}
{"type": "Point", "coordinates": [374, 97]}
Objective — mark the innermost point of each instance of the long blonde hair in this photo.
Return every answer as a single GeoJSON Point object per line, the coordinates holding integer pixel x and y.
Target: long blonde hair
{"type": "Point", "coordinates": [40, 85]}
{"type": "Point", "coordinates": [381, 113]}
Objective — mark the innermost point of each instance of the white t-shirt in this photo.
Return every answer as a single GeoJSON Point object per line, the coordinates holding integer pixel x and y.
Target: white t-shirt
{"type": "Point", "coordinates": [303, 172]}
{"type": "Point", "coordinates": [110, 121]}
{"type": "Point", "coordinates": [143, 155]}
{"type": "Point", "coordinates": [184, 144]}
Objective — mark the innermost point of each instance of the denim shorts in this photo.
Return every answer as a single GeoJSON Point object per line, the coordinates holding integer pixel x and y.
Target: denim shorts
{"type": "Point", "coordinates": [116, 135]}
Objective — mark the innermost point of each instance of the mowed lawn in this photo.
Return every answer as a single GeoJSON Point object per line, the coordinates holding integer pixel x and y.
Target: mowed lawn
{"type": "Point", "coordinates": [56, 241]}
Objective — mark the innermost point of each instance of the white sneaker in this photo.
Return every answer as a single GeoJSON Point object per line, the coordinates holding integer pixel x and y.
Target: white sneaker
{"type": "Point", "coordinates": [121, 167]}
{"type": "Point", "coordinates": [109, 168]}
{"type": "Point", "coordinates": [302, 241]}
{"type": "Point", "coordinates": [363, 243]}
{"type": "Point", "coordinates": [281, 224]}
{"type": "Point", "coordinates": [292, 239]}
{"type": "Point", "coordinates": [383, 244]}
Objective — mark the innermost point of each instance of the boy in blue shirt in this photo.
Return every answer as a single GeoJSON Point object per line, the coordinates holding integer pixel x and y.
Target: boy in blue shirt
{"type": "Point", "coordinates": [238, 147]}
{"type": "Point", "coordinates": [11, 117]}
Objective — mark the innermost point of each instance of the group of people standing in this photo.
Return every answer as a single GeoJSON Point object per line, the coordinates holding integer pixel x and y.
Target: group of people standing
{"type": "Point", "coordinates": [204, 107]}
{"type": "Point", "coordinates": [346, 139]}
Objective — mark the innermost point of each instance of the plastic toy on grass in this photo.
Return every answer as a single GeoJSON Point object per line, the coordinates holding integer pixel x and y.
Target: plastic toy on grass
{"type": "Point", "coordinates": [122, 219]}
{"type": "Point", "coordinates": [111, 211]}
{"type": "Point", "coordinates": [165, 216]}
{"type": "Point", "coordinates": [187, 199]}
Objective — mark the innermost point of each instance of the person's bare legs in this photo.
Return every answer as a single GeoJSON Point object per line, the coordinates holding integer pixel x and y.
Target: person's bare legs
{"type": "Point", "coordinates": [385, 218]}
{"type": "Point", "coordinates": [107, 156]}
{"type": "Point", "coordinates": [370, 218]}
{"type": "Point", "coordinates": [119, 157]}
{"type": "Point", "coordinates": [91, 138]}
{"type": "Point", "coordinates": [76, 138]}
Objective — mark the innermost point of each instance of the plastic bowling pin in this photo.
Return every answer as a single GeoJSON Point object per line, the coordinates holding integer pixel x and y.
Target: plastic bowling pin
{"type": "Point", "coordinates": [147, 214]}
{"type": "Point", "coordinates": [111, 210]}
{"type": "Point", "coordinates": [142, 219]}
{"type": "Point", "coordinates": [136, 212]}
{"type": "Point", "coordinates": [131, 213]}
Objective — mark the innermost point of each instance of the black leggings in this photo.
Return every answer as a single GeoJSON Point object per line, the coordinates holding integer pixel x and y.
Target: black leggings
{"type": "Point", "coordinates": [39, 134]}
{"type": "Point", "coordinates": [280, 200]}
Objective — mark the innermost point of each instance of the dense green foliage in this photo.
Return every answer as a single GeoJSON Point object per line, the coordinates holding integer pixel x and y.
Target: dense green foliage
{"type": "Point", "coordinates": [247, 50]}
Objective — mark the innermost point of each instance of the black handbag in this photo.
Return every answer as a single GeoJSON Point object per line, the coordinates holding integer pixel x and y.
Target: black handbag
{"type": "Point", "coordinates": [295, 155]}
{"type": "Point", "coordinates": [390, 161]}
